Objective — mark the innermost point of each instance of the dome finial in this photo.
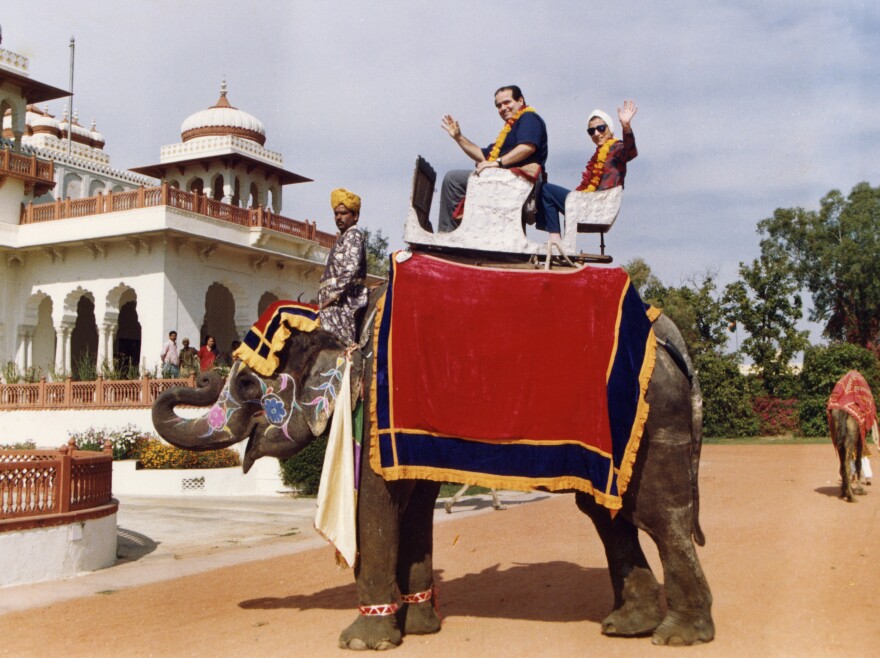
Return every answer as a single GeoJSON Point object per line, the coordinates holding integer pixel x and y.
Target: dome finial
{"type": "Point", "coordinates": [222, 101]}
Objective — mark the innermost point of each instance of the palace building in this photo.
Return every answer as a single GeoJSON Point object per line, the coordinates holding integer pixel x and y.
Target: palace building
{"type": "Point", "coordinates": [97, 264]}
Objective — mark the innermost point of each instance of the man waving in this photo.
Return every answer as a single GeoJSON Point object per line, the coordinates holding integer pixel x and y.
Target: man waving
{"type": "Point", "coordinates": [522, 141]}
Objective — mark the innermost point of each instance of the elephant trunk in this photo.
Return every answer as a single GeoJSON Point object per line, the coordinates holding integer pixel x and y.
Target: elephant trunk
{"type": "Point", "coordinates": [196, 433]}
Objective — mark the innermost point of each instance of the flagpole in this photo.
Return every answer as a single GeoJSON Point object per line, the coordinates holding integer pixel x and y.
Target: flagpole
{"type": "Point", "coordinates": [70, 100]}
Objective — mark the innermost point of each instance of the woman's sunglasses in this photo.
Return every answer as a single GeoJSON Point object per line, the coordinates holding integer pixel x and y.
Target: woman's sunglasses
{"type": "Point", "coordinates": [601, 129]}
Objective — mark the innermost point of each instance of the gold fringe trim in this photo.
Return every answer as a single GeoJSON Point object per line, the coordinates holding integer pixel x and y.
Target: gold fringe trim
{"type": "Point", "coordinates": [267, 366]}
{"type": "Point", "coordinates": [642, 410]}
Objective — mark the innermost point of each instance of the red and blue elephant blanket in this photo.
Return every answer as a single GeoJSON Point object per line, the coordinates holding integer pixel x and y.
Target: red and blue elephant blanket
{"type": "Point", "coordinates": [513, 379]}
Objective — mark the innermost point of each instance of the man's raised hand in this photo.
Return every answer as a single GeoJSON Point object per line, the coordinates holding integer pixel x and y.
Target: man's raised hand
{"type": "Point", "coordinates": [450, 125]}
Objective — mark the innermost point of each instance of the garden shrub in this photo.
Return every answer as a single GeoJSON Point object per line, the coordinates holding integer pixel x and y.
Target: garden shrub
{"type": "Point", "coordinates": [125, 440]}
{"type": "Point", "coordinates": [823, 366]}
{"type": "Point", "coordinates": [727, 398]}
{"type": "Point", "coordinates": [303, 470]}
{"type": "Point", "coordinates": [154, 454]}
{"type": "Point", "coordinates": [776, 416]}
{"type": "Point", "coordinates": [131, 443]}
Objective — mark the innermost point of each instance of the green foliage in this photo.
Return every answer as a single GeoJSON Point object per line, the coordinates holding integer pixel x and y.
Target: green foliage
{"type": "Point", "coordinates": [727, 396]}
{"type": "Point", "coordinates": [12, 375]}
{"type": "Point", "coordinates": [823, 366]}
{"type": "Point", "coordinates": [85, 366]}
{"type": "Point", "coordinates": [303, 470]}
{"type": "Point", "coordinates": [377, 252]}
{"type": "Point", "coordinates": [765, 302]}
{"type": "Point", "coordinates": [833, 253]}
{"type": "Point", "coordinates": [649, 286]}
{"type": "Point", "coordinates": [29, 444]}
{"type": "Point", "coordinates": [120, 369]}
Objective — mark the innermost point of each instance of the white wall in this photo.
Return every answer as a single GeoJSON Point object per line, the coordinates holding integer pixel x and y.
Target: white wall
{"type": "Point", "coordinates": [30, 556]}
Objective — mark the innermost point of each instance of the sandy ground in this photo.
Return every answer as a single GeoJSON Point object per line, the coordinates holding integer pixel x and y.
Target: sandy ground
{"type": "Point", "coordinates": [794, 572]}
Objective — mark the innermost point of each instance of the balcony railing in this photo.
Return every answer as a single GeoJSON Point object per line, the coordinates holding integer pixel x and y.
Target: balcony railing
{"type": "Point", "coordinates": [165, 195]}
{"type": "Point", "coordinates": [48, 487]}
{"type": "Point", "coordinates": [100, 393]}
{"type": "Point", "coordinates": [27, 167]}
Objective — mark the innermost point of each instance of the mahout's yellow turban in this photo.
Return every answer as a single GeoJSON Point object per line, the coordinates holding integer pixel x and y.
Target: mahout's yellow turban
{"type": "Point", "coordinates": [348, 199]}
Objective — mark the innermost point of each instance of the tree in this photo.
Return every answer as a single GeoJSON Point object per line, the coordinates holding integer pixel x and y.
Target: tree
{"type": "Point", "coordinates": [644, 280]}
{"type": "Point", "coordinates": [765, 301]}
{"type": "Point", "coordinates": [834, 254]}
{"type": "Point", "coordinates": [700, 316]}
{"type": "Point", "coordinates": [693, 307]}
{"type": "Point", "coordinates": [377, 252]}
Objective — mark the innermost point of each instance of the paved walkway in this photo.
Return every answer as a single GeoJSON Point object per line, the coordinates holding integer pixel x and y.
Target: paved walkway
{"type": "Point", "coordinates": [162, 538]}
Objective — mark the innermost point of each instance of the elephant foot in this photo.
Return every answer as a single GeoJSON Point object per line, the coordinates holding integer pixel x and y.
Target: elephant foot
{"type": "Point", "coordinates": [627, 621]}
{"type": "Point", "coordinates": [376, 633]}
{"type": "Point", "coordinates": [640, 613]}
{"type": "Point", "coordinates": [685, 628]}
{"type": "Point", "coordinates": [418, 619]}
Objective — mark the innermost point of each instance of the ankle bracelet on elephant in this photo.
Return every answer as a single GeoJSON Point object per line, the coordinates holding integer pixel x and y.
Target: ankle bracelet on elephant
{"type": "Point", "coordinates": [381, 610]}
{"type": "Point", "coordinates": [418, 597]}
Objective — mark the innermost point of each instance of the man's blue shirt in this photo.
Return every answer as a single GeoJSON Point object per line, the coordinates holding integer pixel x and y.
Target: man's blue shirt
{"type": "Point", "coordinates": [529, 129]}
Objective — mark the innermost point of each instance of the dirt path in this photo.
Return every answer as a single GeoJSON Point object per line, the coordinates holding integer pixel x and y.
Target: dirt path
{"type": "Point", "coordinates": [794, 571]}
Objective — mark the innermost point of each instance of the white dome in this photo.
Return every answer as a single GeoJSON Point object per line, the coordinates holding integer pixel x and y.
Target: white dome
{"type": "Point", "coordinates": [223, 119]}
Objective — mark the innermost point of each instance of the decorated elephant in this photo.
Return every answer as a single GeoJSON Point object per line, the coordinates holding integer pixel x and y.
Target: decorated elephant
{"type": "Point", "coordinates": [281, 412]}
{"type": "Point", "coordinates": [851, 413]}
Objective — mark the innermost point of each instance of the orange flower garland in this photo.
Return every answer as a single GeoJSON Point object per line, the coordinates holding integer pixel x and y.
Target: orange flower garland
{"type": "Point", "coordinates": [596, 167]}
{"type": "Point", "coordinates": [505, 131]}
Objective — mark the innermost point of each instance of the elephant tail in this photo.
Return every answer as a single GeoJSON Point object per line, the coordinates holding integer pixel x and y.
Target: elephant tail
{"type": "Point", "coordinates": [696, 447]}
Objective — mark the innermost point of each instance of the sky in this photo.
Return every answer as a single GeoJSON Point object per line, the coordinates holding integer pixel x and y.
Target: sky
{"type": "Point", "coordinates": [743, 107]}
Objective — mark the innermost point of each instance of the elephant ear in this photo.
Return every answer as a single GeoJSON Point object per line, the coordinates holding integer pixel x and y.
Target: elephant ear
{"type": "Point", "coordinates": [323, 386]}
{"type": "Point", "coordinates": [316, 361]}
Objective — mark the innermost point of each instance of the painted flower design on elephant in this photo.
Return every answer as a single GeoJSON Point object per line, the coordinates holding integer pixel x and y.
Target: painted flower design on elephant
{"type": "Point", "coordinates": [217, 417]}
{"type": "Point", "coordinates": [328, 388]}
{"type": "Point", "coordinates": [273, 406]}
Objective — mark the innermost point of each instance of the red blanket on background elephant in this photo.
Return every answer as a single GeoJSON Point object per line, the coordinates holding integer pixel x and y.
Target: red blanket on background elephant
{"type": "Point", "coordinates": [852, 394]}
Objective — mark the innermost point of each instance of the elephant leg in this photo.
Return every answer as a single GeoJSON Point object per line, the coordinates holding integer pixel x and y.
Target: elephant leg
{"type": "Point", "coordinates": [415, 570]}
{"type": "Point", "coordinates": [664, 508]}
{"type": "Point", "coordinates": [375, 573]}
{"type": "Point", "coordinates": [688, 617]}
{"type": "Point", "coordinates": [846, 470]}
{"type": "Point", "coordinates": [857, 488]}
{"type": "Point", "coordinates": [636, 592]}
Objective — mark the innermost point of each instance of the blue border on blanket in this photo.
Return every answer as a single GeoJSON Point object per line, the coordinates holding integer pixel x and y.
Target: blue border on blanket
{"type": "Point", "coordinates": [582, 468]}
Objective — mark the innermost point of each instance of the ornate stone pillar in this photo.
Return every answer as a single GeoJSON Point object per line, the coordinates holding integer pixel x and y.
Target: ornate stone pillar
{"type": "Point", "coordinates": [63, 334]}
{"type": "Point", "coordinates": [103, 353]}
{"type": "Point", "coordinates": [29, 347]}
{"type": "Point", "coordinates": [21, 358]}
{"type": "Point", "coordinates": [228, 190]}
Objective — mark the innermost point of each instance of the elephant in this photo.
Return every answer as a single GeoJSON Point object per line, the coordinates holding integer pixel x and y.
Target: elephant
{"type": "Point", "coordinates": [848, 445]}
{"type": "Point", "coordinates": [395, 518]}
{"type": "Point", "coordinates": [851, 412]}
